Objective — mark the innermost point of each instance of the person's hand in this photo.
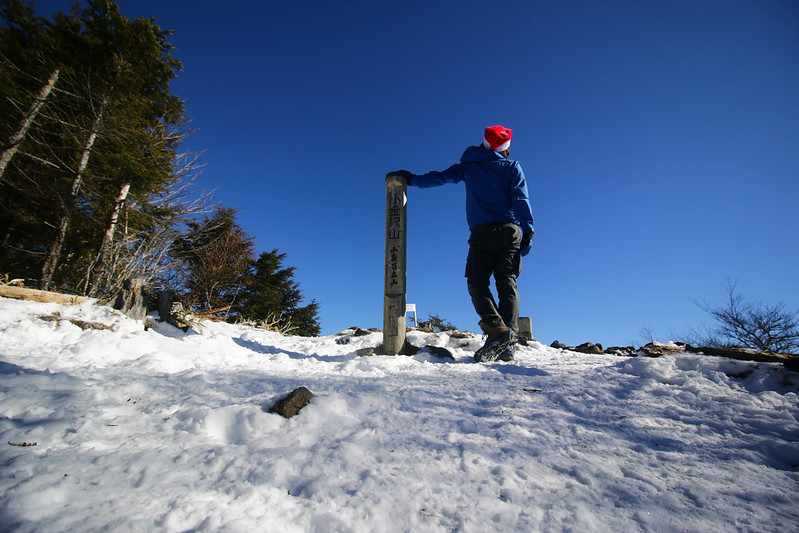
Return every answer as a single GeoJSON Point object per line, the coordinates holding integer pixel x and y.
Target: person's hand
{"type": "Point", "coordinates": [527, 243]}
{"type": "Point", "coordinates": [392, 176]}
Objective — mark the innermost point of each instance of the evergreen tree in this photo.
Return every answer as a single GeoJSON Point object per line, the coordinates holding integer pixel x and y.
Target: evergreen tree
{"type": "Point", "coordinates": [273, 296]}
{"type": "Point", "coordinates": [218, 256]}
{"type": "Point", "coordinates": [24, 203]}
{"type": "Point", "coordinates": [103, 147]}
{"type": "Point", "coordinates": [436, 323]}
{"type": "Point", "coordinates": [89, 139]}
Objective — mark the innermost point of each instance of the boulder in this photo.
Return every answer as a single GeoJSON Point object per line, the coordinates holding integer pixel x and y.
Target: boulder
{"type": "Point", "coordinates": [525, 328]}
{"type": "Point", "coordinates": [170, 310]}
{"type": "Point", "coordinates": [656, 349]}
{"type": "Point", "coordinates": [589, 348]}
{"type": "Point", "coordinates": [292, 404]}
{"type": "Point", "coordinates": [440, 352]}
{"type": "Point", "coordinates": [346, 336]}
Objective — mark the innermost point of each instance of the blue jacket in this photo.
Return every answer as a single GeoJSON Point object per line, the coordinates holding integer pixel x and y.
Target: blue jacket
{"type": "Point", "coordinates": [496, 190]}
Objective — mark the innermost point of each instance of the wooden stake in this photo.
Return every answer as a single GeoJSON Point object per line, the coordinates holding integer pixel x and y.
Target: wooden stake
{"type": "Point", "coordinates": [394, 284]}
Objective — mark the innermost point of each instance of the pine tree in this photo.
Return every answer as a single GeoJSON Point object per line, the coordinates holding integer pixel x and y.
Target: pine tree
{"type": "Point", "coordinates": [436, 323]}
{"type": "Point", "coordinates": [103, 145]}
{"type": "Point", "coordinates": [24, 194]}
{"type": "Point", "coordinates": [273, 296]}
{"type": "Point", "coordinates": [218, 256]}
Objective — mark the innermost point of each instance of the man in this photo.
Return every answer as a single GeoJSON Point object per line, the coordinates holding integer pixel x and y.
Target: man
{"type": "Point", "coordinates": [501, 222]}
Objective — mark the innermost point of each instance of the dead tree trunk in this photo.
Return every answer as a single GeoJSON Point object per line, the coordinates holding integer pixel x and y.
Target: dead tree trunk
{"type": "Point", "coordinates": [24, 293]}
{"type": "Point", "coordinates": [95, 272]}
{"type": "Point", "coordinates": [16, 139]}
{"type": "Point", "coordinates": [54, 251]}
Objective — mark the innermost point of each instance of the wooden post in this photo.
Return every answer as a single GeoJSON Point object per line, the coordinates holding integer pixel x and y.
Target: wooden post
{"type": "Point", "coordinates": [394, 284]}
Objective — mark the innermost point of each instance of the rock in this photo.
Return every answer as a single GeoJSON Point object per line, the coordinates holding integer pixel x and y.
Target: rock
{"type": "Point", "coordinates": [440, 352]}
{"type": "Point", "coordinates": [589, 348]}
{"type": "Point", "coordinates": [290, 405]}
{"type": "Point", "coordinates": [408, 349]}
{"type": "Point", "coordinates": [346, 336]}
{"type": "Point", "coordinates": [789, 361]}
{"type": "Point", "coordinates": [357, 331]}
{"type": "Point", "coordinates": [622, 351]}
{"type": "Point", "coordinates": [526, 328]}
{"type": "Point", "coordinates": [559, 345]}
{"type": "Point", "coordinates": [169, 310]}
{"type": "Point", "coordinates": [426, 327]}
{"type": "Point", "coordinates": [656, 349]}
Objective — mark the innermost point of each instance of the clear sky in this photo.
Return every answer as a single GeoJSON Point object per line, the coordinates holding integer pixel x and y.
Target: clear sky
{"type": "Point", "coordinates": [660, 140]}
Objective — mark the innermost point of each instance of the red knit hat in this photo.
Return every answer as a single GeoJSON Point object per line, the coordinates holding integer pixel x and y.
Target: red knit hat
{"type": "Point", "coordinates": [497, 138]}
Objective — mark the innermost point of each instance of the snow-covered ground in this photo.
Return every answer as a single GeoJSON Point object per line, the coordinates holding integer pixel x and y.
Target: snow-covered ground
{"type": "Point", "coordinates": [162, 430]}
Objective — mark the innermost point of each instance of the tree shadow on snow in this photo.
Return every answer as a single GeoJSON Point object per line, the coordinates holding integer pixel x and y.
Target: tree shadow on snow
{"type": "Point", "coordinates": [515, 370]}
{"type": "Point", "coordinates": [12, 369]}
{"type": "Point", "coordinates": [51, 388]}
{"type": "Point", "coordinates": [266, 349]}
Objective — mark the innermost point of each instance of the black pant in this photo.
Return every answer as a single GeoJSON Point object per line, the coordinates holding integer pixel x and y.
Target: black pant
{"type": "Point", "coordinates": [494, 250]}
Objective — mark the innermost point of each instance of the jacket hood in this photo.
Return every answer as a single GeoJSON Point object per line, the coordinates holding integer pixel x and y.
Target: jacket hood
{"type": "Point", "coordinates": [478, 154]}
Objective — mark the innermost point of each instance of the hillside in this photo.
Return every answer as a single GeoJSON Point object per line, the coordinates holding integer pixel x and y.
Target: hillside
{"type": "Point", "coordinates": [127, 429]}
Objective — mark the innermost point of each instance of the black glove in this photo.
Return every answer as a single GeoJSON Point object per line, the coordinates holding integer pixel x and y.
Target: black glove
{"type": "Point", "coordinates": [401, 173]}
{"type": "Point", "coordinates": [527, 243]}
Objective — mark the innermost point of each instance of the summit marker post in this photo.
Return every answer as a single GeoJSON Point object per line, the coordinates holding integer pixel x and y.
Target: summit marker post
{"type": "Point", "coordinates": [394, 282]}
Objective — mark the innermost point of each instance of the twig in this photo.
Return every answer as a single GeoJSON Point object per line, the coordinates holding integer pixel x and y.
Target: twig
{"type": "Point", "coordinates": [205, 314]}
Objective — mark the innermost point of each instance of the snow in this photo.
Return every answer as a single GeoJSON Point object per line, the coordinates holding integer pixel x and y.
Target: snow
{"type": "Point", "coordinates": [161, 430]}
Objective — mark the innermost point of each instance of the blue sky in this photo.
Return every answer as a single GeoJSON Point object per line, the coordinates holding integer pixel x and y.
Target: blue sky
{"type": "Point", "coordinates": [660, 140]}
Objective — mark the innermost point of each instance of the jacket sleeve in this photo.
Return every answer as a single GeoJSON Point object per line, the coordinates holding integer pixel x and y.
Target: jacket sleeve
{"type": "Point", "coordinates": [521, 201]}
{"type": "Point", "coordinates": [453, 174]}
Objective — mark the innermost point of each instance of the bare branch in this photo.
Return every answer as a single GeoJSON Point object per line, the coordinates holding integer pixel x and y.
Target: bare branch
{"type": "Point", "coordinates": [769, 328]}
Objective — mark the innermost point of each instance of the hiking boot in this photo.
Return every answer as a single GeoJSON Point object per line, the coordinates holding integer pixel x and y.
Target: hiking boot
{"type": "Point", "coordinates": [495, 345]}
{"type": "Point", "coordinates": [492, 331]}
{"type": "Point", "coordinates": [508, 355]}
